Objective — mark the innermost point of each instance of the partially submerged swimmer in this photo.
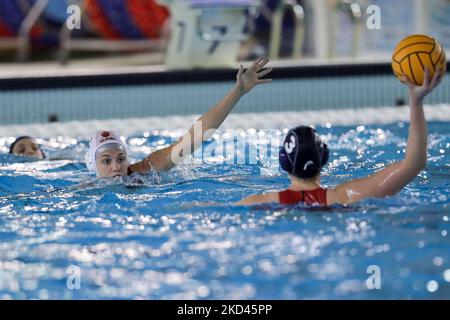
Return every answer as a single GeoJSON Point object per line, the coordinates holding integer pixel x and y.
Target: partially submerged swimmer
{"type": "Point", "coordinates": [26, 146]}
{"type": "Point", "coordinates": [109, 156]}
{"type": "Point", "coordinates": [303, 155]}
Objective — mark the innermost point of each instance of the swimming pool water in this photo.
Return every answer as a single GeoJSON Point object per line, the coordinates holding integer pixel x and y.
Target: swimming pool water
{"type": "Point", "coordinates": [176, 236]}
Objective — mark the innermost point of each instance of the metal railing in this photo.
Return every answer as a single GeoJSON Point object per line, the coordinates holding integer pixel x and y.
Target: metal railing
{"type": "Point", "coordinates": [22, 41]}
{"type": "Point", "coordinates": [353, 9]}
{"type": "Point", "coordinates": [277, 28]}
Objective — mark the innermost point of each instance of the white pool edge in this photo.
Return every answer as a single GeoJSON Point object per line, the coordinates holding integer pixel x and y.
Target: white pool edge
{"type": "Point", "coordinates": [263, 120]}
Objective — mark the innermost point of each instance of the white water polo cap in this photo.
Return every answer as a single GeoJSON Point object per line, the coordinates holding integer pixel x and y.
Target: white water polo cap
{"type": "Point", "coordinates": [103, 140]}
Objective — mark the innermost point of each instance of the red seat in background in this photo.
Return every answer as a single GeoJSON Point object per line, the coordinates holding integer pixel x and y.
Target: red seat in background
{"type": "Point", "coordinates": [147, 16]}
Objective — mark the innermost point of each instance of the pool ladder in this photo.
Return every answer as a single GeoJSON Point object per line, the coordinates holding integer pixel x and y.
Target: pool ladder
{"type": "Point", "coordinates": [353, 9]}
{"type": "Point", "coordinates": [21, 42]}
{"type": "Point", "coordinates": [277, 28]}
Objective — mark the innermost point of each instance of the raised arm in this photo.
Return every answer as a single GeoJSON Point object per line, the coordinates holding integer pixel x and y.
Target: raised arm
{"type": "Point", "coordinates": [204, 127]}
{"type": "Point", "coordinates": [394, 177]}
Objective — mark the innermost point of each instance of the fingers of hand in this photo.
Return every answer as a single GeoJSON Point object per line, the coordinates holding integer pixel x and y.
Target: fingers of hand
{"type": "Point", "coordinates": [264, 72]}
{"type": "Point", "coordinates": [240, 72]}
{"type": "Point", "coordinates": [263, 81]}
{"type": "Point", "coordinates": [261, 63]}
{"type": "Point", "coordinates": [440, 72]}
{"type": "Point", "coordinates": [426, 78]}
{"type": "Point", "coordinates": [441, 75]}
{"type": "Point", "coordinates": [255, 63]}
{"type": "Point", "coordinates": [437, 78]}
{"type": "Point", "coordinates": [406, 80]}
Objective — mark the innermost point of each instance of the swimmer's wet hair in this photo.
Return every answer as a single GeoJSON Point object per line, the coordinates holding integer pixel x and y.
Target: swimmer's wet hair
{"type": "Point", "coordinates": [303, 153]}
{"type": "Point", "coordinates": [11, 148]}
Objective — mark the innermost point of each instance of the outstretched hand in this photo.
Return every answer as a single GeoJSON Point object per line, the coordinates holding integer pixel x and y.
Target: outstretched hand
{"type": "Point", "coordinates": [246, 81]}
{"type": "Point", "coordinates": [419, 92]}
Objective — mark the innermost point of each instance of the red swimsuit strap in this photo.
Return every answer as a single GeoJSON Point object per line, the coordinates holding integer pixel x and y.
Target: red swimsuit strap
{"type": "Point", "coordinates": [308, 197]}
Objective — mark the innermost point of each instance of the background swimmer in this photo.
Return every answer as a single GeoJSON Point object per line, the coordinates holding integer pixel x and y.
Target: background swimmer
{"type": "Point", "coordinates": [108, 155]}
{"type": "Point", "coordinates": [26, 146]}
{"type": "Point", "coordinates": [304, 154]}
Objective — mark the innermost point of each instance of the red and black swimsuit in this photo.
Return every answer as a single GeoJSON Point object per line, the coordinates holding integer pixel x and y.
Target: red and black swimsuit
{"type": "Point", "coordinates": [310, 197]}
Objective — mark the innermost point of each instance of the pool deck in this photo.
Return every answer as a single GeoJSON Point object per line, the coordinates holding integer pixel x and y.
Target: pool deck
{"type": "Point", "coordinates": [138, 63]}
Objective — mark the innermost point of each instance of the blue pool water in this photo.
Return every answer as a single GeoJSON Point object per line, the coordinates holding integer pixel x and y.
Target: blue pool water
{"type": "Point", "coordinates": [175, 235]}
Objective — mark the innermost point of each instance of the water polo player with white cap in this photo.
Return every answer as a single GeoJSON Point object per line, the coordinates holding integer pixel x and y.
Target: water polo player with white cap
{"type": "Point", "coordinates": [303, 155]}
{"type": "Point", "coordinates": [109, 156]}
